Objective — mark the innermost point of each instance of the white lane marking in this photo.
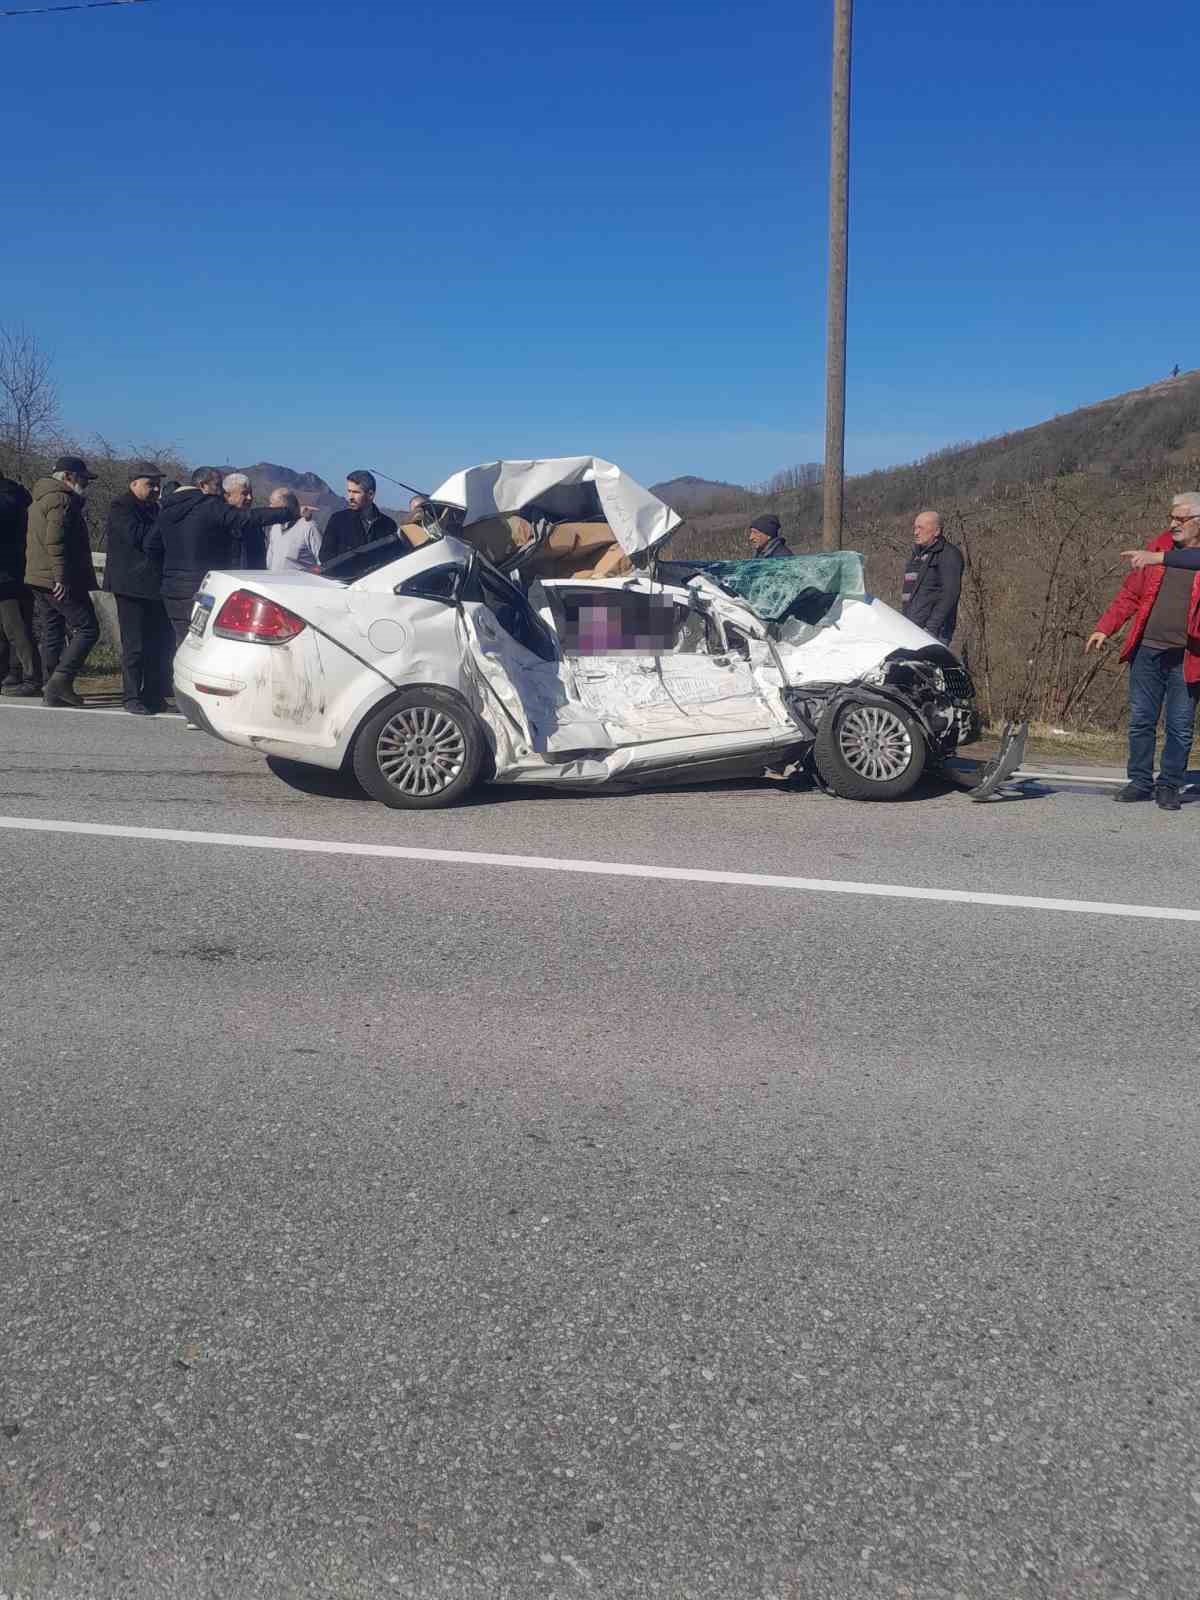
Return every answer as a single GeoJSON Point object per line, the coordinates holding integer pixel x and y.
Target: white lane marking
{"type": "Point", "coordinates": [604, 869]}
{"type": "Point", "coordinates": [9, 704]}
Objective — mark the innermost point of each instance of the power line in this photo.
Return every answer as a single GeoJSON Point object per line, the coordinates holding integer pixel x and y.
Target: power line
{"type": "Point", "coordinates": [79, 5]}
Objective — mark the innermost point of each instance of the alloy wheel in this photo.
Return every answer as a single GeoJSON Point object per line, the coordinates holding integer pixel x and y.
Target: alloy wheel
{"type": "Point", "coordinates": [875, 743]}
{"type": "Point", "coordinates": [421, 750]}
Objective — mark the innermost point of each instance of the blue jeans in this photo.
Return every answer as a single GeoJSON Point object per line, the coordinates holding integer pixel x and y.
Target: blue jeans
{"type": "Point", "coordinates": [1156, 681]}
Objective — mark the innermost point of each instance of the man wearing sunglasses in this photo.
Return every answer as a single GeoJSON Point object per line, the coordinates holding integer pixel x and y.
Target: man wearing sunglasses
{"type": "Point", "coordinates": [1162, 596]}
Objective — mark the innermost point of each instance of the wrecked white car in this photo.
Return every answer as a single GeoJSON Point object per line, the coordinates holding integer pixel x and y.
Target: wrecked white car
{"type": "Point", "coordinates": [589, 663]}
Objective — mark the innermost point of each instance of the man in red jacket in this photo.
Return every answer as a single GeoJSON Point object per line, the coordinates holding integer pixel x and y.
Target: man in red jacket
{"type": "Point", "coordinates": [1163, 652]}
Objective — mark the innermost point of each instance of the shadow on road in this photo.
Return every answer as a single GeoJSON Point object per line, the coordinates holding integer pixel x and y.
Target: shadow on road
{"type": "Point", "coordinates": [317, 781]}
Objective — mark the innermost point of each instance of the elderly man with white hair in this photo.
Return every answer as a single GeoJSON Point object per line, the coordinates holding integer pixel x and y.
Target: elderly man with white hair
{"type": "Point", "coordinates": [1161, 600]}
{"type": "Point", "coordinates": [932, 579]}
{"type": "Point", "coordinates": [239, 494]}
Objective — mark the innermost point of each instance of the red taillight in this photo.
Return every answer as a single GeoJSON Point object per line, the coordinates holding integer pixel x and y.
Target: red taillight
{"type": "Point", "coordinates": [255, 619]}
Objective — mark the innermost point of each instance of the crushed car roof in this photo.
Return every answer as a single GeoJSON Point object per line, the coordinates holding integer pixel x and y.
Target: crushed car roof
{"type": "Point", "coordinates": [564, 488]}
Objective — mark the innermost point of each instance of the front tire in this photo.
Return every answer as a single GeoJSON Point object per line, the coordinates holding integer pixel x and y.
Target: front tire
{"type": "Point", "coordinates": [870, 750]}
{"type": "Point", "coordinates": [421, 751]}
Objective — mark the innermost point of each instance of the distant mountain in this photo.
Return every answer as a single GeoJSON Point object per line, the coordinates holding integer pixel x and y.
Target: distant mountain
{"type": "Point", "coordinates": [689, 494]}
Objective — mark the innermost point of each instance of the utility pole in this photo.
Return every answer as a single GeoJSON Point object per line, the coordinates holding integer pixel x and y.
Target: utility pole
{"type": "Point", "coordinates": [835, 339]}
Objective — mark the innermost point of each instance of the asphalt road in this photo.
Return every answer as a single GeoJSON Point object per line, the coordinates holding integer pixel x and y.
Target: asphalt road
{"type": "Point", "coordinates": [437, 1227]}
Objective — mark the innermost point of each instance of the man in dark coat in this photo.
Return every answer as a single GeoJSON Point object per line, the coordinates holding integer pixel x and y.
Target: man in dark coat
{"type": "Point", "coordinates": [766, 539]}
{"type": "Point", "coordinates": [932, 579]}
{"type": "Point", "coordinates": [360, 523]}
{"type": "Point", "coordinates": [58, 568]}
{"type": "Point", "coordinates": [134, 578]}
{"type": "Point", "coordinates": [20, 664]}
{"type": "Point", "coordinates": [197, 532]}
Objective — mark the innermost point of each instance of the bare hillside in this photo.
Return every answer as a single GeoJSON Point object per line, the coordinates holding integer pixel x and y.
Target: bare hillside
{"type": "Point", "coordinates": [1041, 515]}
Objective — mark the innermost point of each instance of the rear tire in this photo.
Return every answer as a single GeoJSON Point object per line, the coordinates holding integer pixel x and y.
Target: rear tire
{"type": "Point", "coordinates": [421, 751]}
{"type": "Point", "coordinates": [870, 750]}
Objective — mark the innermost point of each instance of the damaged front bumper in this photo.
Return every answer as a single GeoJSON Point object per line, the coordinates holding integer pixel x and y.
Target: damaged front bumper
{"type": "Point", "coordinates": [940, 700]}
{"type": "Point", "coordinates": [939, 694]}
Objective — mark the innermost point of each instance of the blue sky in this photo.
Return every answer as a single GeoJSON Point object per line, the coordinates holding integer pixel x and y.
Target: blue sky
{"type": "Point", "coordinates": [416, 237]}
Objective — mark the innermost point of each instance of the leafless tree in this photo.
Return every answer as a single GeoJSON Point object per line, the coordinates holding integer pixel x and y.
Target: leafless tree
{"type": "Point", "coordinates": [797, 477]}
{"type": "Point", "coordinates": [28, 396]}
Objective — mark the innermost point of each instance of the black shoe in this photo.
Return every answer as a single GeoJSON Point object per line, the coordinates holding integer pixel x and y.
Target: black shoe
{"type": "Point", "coordinates": [1167, 799]}
{"type": "Point", "coordinates": [58, 692]}
{"type": "Point", "coordinates": [23, 691]}
{"type": "Point", "coordinates": [1131, 791]}
{"type": "Point", "coordinates": [11, 683]}
{"type": "Point", "coordinates": [137, 709]}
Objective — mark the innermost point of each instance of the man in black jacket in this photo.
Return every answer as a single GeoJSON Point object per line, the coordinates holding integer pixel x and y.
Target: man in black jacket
{"type": "Point", "coordinates": [198, 532]}
{"type": "Point", "coordinates": [361, 523]}
{"type": "Point", "coordinates": [932, 579]}
{"type": "Point", "coordinates": [20, 664]}
{"type": "Point", "coordinates": [766, 539]}
{"type": "Point", "coordinates": [134, 577]}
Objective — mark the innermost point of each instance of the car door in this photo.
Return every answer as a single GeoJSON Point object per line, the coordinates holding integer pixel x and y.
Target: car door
{"type": "Point", "coordinates": [649, 661]}
{"type": "Point", "coordinates": [524, 671]}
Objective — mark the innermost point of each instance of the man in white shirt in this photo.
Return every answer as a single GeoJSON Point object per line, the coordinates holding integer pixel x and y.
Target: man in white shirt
{"type": "Point", "coordinates": [292, 546]}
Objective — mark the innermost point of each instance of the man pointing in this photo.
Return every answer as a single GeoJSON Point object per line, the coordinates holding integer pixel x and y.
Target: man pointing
{"type": "Point", "coordinates": [1163, 652]}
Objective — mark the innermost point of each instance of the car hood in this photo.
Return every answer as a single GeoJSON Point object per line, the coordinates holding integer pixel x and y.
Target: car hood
{"type": "Point", "coordinates": [564, 488]}
{"type": "Point", "coordinates": [856, 636]}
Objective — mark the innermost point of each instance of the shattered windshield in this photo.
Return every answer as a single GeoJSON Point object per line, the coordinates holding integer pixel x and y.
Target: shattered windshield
{"type": "Point", "coordinates": [796, 586]}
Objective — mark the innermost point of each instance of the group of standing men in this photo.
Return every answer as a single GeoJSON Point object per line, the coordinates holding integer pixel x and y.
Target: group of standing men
{"type": "Point", "coordinates": [160, 541]}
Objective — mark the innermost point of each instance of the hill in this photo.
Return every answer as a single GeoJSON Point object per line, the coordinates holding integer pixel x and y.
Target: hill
{"type": "Point", "coordinates": [690, 494]}
{"type": "Point", "coordinates": [312, 490]}
{"type": "Point", "coordinates": [1123, 439]}
{"type": "Point", "coordinates": [1041, 515]}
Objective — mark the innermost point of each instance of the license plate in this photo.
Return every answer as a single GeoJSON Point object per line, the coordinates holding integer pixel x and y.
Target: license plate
{"type": "Point", "coordinates": [200, 614]}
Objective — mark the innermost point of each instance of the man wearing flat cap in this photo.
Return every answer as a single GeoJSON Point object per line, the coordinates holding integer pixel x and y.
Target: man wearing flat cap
{"type": "Point", "coordinates": [134, 578]}
{"type": "Point", "coordinates": [58, 568]}
{"type": "Point", "coordinates": [766, 539]}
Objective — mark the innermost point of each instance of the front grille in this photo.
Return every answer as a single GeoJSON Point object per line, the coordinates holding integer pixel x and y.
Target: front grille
{"type": "Point", "coordinates": [958, 683]}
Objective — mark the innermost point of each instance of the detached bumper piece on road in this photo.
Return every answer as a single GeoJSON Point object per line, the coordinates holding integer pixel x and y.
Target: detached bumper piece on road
{"type": "Point", "coordinates": [1004, 765]}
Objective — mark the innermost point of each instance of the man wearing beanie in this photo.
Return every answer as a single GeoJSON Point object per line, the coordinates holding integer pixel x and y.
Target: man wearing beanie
{"type": "Point", "coordinates": [766, 540]}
